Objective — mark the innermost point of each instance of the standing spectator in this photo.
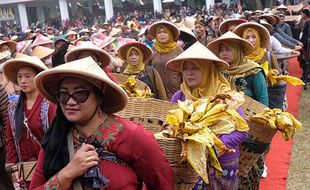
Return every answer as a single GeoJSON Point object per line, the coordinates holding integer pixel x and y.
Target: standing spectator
{"type": "Point", "coordinates": [305, 40]}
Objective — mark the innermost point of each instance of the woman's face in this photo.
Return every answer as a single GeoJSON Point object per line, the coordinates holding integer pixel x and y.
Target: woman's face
{"type": "Point", "coordinates": [192, 75]}
{"type": "Point", "coordinates": [134, 57]}
{"type": "Point", "coordinates": [226, 54]}
{"type": "Point", "coordinates": [162, 36]}
{"type": "Point", "coordinates": [251, 38]}
{"type": "Point", "coordinates": [4, 48]}
{"type": "Point", "coordinates": [25, 79]}
{"type": "Point", "coordinates": [75, 112]}
{"type": "Point", "coordinates": [200, 30]}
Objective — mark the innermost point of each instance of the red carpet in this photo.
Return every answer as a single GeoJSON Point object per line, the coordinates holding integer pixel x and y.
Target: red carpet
{"type": "Point", "coordinates": [279, 156]}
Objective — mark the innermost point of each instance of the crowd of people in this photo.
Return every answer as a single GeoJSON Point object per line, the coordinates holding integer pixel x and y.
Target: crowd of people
{"type": "Point", "coordinates": [58, 94]}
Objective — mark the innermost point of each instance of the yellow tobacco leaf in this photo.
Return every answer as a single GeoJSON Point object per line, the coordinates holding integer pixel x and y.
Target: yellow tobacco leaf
{"type": "Point", "coordinates": [212, 119]}
{"type": "Point", "coordinates": [214, 110]}
{"type": "Point", "coordinates": [275, 78]}
{"type": "Point", "coordinates": [186, 106]}
{"type": "Point", "coordinates": [196, 156]}
{"type": "Point", "coordinates": [223, 126]}
{"type": "Point", "coordinates": [199, 112]}
{"type": "Point", "coordinates": [172, 120]}
{"type": "Point", "coordinates": [203, 136]}
{"type": "Point", "coordinates": [189, 128]}
{"type": "Point", "coordinates": [241, 124]}
{"type": "Point", "coordinates": [214, 161]}
{"type": "Point", "coordinates": [292, 80]}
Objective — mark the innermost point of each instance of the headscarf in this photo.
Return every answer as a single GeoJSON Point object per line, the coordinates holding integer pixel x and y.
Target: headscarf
{"type": "Point", "coordinates": [241, 66]}
{"type": "Point", "coordinates": [168, 46]}
{"type": "Point", "coordinates": [212, 83]}
{"type": "Point", "coordinates": [134, 69]}
{"type": "Point", "coordinates": [258, 53]}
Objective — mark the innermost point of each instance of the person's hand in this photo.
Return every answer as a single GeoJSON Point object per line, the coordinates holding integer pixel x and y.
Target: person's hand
{"type": "Point", "coordinates": [17, 177]}
{"type": "Point", "coordinates": [85, 158]}
{"type": "Point", "coordinates": [298, 47]}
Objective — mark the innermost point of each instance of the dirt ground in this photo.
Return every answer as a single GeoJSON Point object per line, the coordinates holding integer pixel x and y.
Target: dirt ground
{"type": "Point", "coordinates": [299, 171]}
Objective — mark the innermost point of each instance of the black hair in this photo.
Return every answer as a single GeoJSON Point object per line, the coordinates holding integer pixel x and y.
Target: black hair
{"type": "Point", "coordinates": [306, 11]}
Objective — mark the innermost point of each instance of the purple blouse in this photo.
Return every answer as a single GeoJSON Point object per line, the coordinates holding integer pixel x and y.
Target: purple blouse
{"type": "Point", "coordinates": [231, 140]}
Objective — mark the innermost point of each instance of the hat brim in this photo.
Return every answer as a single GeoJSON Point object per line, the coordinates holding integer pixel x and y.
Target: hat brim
{"type": "Point", "coordinates": [11, 44]}
{"type": "Point", "coordinates": [43, 53]}
{"type": "Point", "coordinates": [175, 31]}
{"type": "Point", "coordinates": [264, 33]}
{"type": "Point", "coordinates": [187, 36]}
{"type": "Point", "coordinates": [147, 52]}
{"type": "Point", "coordinates": [270, 19]}
{"type": "Point", "coordinates": [223, 28]}
{"type": "Point", "coordinates": [104, 57]}
{"type": "Point", "coordinates": [246, 46]}
{"type": "Point", "coordinates": [177, 64]}
{"type": "Point", "coordinates": [42, 43]}
{"type": "Point", "coordinates": [47, 83]}
{"type": "Point", "coordinates": [11, 67]}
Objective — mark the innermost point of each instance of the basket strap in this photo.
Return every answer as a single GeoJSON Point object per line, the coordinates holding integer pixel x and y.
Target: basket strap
{"type": "Point", "coordinates": [76, 183]}
{"type": "Point", "coordinates": [255, 146]}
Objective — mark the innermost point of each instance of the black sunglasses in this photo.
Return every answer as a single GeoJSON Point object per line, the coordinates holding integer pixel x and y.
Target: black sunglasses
{"type": "Point", "coordinates": [79, 96]}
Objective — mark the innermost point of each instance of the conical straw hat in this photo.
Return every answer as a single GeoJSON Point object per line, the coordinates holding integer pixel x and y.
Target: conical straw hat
{"type": "Point", "coordinates": [281, 7]}
{"type": "Point", "coordinates": [42, 52]}
{"type": "Point", "coordinates": [269, 18]}
{"type": "Point", "coordinates": [40, 40]}
{"type": "Point", "coordinates": [264, 33]}
{"type": "Point", "coordinates": [147, 52]}
{"type": "Point", "coordinates": [266, 25]}
{"type": "Point", "coordinates": [11, 44]}
{"type": "Point", "coordinates": [196, 52]}
{"type": "Point", "coordinates": [175, 31]}
{"type": "Point", "coordinates": [104, 57]}
{"type": "Point", "coordinates": [228, 38]}
{"type": "Point", "coordinates": [47, 82]}
{"type": "Point", "coordinates": [225, 24]}
{"type": "Point", "coordinates": [10, 67]}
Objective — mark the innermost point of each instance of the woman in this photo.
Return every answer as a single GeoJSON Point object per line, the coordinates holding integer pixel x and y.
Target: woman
{"type": "Point", "coordinates": [29, 115]}
{"type": "Point", "coordinates": [86, 139]}
{"type": "Point", "coordinates": [255, 88]}
{"type": "Point", "coordinates": [201, 73]}
{"type": "Point", "coordinates": [259, 37]}
{"type": "Point", "coordinates": [243, 74]}
{"type": "Point", "coordinates": [8, 48]}
{"type": "Point", "coordinates": [136, 54]}
{"type": "Point", "coordinates": [165, 48]}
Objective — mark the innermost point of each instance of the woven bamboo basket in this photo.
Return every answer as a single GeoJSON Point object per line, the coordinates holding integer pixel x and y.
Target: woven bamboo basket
{"type": "Point", "coordinates": [184, 176]}
{"type": "Point", "coordinates": [151, 113]}
{"type": "Point", "coordinates": [121, 79]}
{"type": "Point", "coordinates": [259, 138]}
{"type": "Point", "coordinates": [251, 107]}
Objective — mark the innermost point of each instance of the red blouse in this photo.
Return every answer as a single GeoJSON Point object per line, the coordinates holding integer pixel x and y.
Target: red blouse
{"type": "Point", "coordinates": [132, 144]}
{"type": "Point", "coordinates": [28, 147]}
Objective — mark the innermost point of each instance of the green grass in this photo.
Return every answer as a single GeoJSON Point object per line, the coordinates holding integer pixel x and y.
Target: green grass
{"type": "Point", "coordinates": [299, 171]}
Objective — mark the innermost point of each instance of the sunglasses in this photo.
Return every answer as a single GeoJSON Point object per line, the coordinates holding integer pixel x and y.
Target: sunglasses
{"type": "Point", "coordinates": [79, 96]}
